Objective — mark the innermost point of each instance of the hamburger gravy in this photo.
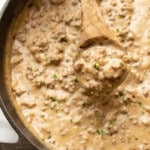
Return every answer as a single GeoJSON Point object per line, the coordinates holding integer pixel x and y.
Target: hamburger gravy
{"type": "Point", "coordinates": [48, 94]}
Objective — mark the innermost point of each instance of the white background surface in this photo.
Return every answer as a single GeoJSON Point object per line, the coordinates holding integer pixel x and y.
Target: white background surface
{"type": "Point", "coordinates": [1, 3]}
{"type": "Point", "coordinates": [7, 134]}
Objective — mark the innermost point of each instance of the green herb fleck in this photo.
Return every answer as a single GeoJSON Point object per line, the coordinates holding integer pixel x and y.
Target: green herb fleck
{"type": "Point", "coordinates": [56, 110]}
{"type": "Point", "coordinates": [100, 132]}
{"type": "Point", "coordinates": [52, 99]}
{"type": "Point", "coordinates": [71, 121]}
{"type": "Point", "coordinates": [54, 76]}
{"type": "Point", "coordinates": [121, 64]}
{"type": "Point", "coordinates": [111, 122]}
{"type": "Point", "coordinates": [45, 24]}
{"type": "Point", "coordinates": [117, 30]}
{"type": "Point", "coordinates": [97, 118]}
{"type": "Point", "coordinates": [139, 103]}
{"type": "Point", "coordinates": [122, 39]}
{"type": "Point", "coordinates": [75, 80]}
{"type": "Point", "coordinates": [67, 60]}
{"type": "Point", "coordinates": [96, 66]}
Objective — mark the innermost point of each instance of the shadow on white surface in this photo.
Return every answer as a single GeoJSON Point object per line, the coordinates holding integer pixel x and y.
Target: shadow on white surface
{"type": "Point", "coordinates": [7, 133]}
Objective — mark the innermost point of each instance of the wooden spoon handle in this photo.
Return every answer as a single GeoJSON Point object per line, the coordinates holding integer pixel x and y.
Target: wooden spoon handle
{"type": "Point", "coordinates": [93, 26]}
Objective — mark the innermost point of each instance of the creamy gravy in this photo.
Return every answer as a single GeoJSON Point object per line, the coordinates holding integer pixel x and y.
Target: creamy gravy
{"type": "Point", "coordinates": [48, 94]}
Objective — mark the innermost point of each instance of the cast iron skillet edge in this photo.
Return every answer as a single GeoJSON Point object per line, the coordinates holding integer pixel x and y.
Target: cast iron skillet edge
{"type": "Point", "coordinates": [6, 16]}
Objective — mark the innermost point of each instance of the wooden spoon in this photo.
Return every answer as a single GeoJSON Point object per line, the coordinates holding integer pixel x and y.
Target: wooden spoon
{"type": "Point", "coordinates": [93, 27]}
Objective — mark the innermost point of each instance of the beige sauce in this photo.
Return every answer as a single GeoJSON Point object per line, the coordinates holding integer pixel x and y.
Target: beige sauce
{"type": "Point", "coordinates": [49, 95]}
